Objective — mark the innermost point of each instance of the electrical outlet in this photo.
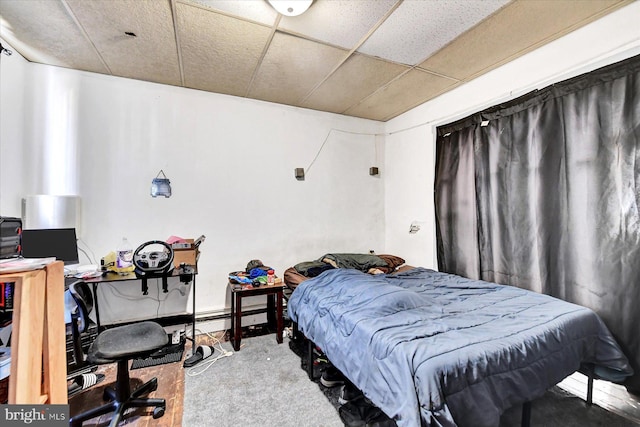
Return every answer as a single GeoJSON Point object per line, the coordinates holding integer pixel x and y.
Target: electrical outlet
{"type": "Point", "coordinates": [175, 337]}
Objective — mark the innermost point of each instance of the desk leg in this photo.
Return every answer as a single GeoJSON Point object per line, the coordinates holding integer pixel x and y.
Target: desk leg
{"type": "Point", "coordinates": [237, 321]}
{"type": "Point", "coordinates": [54, 352]}
{"type": "Point", "coordinates": [94, 286]}
{"type": "Point", "coordinates": [193, 316]}
{"type": "Point", "coordinates": [279, 319]}
{"type": "Point", "coordinates": [232, 328]}
{"type": "Point", "coordinates": [271, 312]}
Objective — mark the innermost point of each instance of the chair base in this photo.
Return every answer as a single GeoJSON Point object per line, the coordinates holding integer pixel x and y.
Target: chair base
{"type": "Point", "coordinates": [121, 400]}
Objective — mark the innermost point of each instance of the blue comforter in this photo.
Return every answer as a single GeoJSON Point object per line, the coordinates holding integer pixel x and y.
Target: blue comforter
{"type": "Point", "coordinates": [435, 349]}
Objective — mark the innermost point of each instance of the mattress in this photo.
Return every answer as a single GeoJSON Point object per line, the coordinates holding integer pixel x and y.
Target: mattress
{"type": "Point", "coordinates": [435, 349]}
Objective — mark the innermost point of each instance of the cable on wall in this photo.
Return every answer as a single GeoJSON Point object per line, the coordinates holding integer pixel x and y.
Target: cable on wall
{"type": "Point", "coordinates": [300, 172]}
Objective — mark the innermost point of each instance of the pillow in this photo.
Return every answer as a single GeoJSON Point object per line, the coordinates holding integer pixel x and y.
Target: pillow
{"type": "Point", "coordinates": [292, 278]}
{"type": "Point", "coordinates": [392, 261]}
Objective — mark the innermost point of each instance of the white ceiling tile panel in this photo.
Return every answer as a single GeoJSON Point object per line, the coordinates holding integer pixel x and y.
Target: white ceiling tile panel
{"type": "Point", "coordinates": [58, 42]}
{"type": "Point", "coordinates": [512, 31]}
{"type": "Point", "coordinates": [292, 67]}
{"type": "Point", "coordinates": [341, 23]}
{"type": "Point", "coordinates": [253, 10]}
{"type": "Point", "coordinates": [413, 88]}
{"type": "Point", "coordinates": [150, 55]}
{"type": "Point", "coordinates": [419, 28]}
{"type": "Point", "coordinates": [219, 53]}
{"type": "Point", "coordinates": [226, 46]}
{"type": "Point", "coordinates": [356, 79]}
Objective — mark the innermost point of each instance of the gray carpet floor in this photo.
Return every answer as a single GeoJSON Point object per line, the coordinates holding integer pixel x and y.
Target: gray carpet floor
{"type": "Point", "coordinates": [260, 385]}
{"type": "Point", "coordinates": [265, 385]}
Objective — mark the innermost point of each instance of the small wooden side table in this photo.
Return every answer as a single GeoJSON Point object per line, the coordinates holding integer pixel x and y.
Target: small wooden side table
{"type": "Point", "coordinates": [274, 308]}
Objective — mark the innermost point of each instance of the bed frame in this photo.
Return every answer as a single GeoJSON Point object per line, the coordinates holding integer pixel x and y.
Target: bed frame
{"type": "Point", "coordinates": [526, 406]}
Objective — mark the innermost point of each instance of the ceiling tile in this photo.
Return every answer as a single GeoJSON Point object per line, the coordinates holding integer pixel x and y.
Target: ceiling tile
{"type": "Point", "coordinates": [292, 67]}
{"type": "Point", "coordinates": [150, 55]}
{"type": "Point", "coordinates": [513, 31]}
{"type": "Point", "coordinates": [418, 28]}
{"type": "Point", "coordinates": [408, 91]}
{"type": "Point", "coordinates": [340, 23]}
{"type": "Point", "coordinates": [219, 53]}
{"type": "Point", "coordinates": [232, 47]}
{"type": "Point", "coordinates": [356, 79]}
{"type": "Point", "coordinates": [58, 42]}
{"type": "Point", "coordinates": [253, 10]}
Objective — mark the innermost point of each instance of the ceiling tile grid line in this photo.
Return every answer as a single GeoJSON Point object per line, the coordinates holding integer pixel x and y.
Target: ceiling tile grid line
{"type": "Point", "coordinates": [339, 22]}
{"type": "Point", "coordinates": [209, 9]}
{"type": "Point", "coordinates": [84, 33]}
{"type": "Point", "coordinates": [264, 53]}
{"type": "Point", "coordinates": [254, 11]}
{"type": "Point", "coordinates": [420, 102]}
{"type": "Point", "coordinates": [435, 73]}
{"type": "Point", "coordinates": [174, 16]}
{"type": "Point", "coordinates": [353, 49]}
{"type": "Point", "coordinates": [382, 88]}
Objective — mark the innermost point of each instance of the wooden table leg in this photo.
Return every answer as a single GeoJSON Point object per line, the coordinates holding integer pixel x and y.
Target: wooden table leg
{"type": "Point", "coordinates": [237, 332]}
{"type": "Point", "coordinates": [54, 352]}
{"type": "Point", "coordinates": [233, 317]}
{"type": "Point", "coordinates": [271, 312]}
{"type": "Point", "coordinates": [279, 319]}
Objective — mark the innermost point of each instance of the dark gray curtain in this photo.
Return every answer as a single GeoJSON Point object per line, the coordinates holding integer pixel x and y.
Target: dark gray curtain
{"type": "Point", "coordinates": [544, 193]}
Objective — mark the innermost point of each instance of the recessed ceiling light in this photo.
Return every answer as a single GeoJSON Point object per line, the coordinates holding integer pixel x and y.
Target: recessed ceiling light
{"type": "Point", "coordinates": [290, 7]}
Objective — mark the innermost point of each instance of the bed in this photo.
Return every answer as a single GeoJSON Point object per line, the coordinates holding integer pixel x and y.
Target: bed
{"type": "Point", "coordinates": [435, 349]}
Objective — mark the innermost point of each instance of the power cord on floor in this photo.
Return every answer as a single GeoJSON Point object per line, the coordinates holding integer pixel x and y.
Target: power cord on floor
{"type": "Point", "coordinates": [207, 363]}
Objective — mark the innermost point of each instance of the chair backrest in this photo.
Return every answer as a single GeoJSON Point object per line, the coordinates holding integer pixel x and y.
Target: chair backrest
{"type": "Point", "coordinates": [84, 300]}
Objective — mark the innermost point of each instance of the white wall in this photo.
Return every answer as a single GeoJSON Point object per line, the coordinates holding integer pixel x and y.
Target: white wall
{"type": "Point", "coordinates": [231, 164]}
{"type": "Point", "coordinates": [410, 141]}
{"type": "Point", "coordinates": [12, 84]}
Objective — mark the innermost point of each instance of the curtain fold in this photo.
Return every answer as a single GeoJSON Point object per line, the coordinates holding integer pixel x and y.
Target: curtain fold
{"type": "Point", "coordinates": [543, 193]}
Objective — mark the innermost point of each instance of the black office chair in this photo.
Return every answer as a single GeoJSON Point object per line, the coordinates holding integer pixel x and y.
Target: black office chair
{"type": "Point", "coordinates": [120, 344]}
{"type": "Point", "coordinates": [82, 304]}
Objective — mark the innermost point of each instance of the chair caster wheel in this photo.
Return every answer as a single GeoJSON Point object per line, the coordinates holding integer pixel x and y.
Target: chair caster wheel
{"type": "Point", "coordinates": [158, 412]}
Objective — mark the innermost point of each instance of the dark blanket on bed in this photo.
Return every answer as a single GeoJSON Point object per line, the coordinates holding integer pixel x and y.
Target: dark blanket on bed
{"type": "Point", "coordinates": [431, 348]}
{"type": "Point", "coordinates": [362, 262]}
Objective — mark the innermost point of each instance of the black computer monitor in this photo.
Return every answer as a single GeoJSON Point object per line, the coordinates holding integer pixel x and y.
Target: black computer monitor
{"type": "Point", "coordinates": [52, 242]}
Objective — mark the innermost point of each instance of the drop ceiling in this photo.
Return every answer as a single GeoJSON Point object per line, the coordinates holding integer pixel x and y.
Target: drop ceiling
{"type": "Point", "coordinates": [374, 59]}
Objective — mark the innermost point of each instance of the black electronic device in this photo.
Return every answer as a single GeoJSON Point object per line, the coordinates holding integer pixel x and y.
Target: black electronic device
{"type": "Point", "coordinates": [10, 234]}
{"type": "Point", "coordinates": [153, 263]}
{"type": "Point", "coordinates": [186, 273]}
{"type": "Point", "coordinates": [60, 243]}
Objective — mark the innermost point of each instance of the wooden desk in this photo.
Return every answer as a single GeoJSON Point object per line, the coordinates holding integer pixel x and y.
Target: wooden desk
{"type": "Point", "coordinates": [38, 352]}
{"type": "Point", "coordinates": [274, 309]}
